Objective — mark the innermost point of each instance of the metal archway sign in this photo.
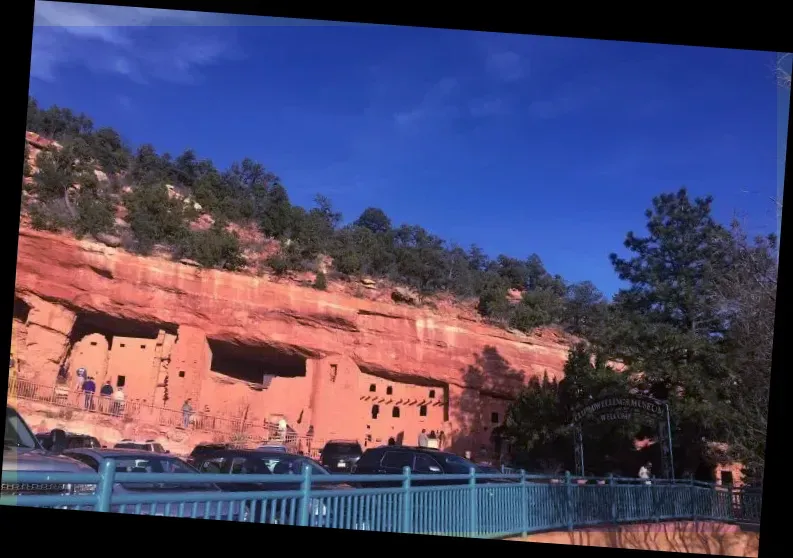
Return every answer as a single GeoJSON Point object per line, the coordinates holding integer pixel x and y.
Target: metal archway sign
{"type": "Point", "coordinates": [610, 409]}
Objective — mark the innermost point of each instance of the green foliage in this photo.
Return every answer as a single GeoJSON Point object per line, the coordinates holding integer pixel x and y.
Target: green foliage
{"type": "Point", "coordinates": [215, 247]}
{"type": "Point", "coordinates": [247, 193]}
{"type": "Point", "coordinates": [321, 282]}
{"type": "Point", "coordinates": [155, 218]}
{"type": "Point", "coordinates": [95, 213]}
{"type": "Point", "coordinates": [375, 220]}
{"type": "Point", "coordinates": [537, 423]}
{"type": "Point", "coordinates": [26, 170]}
{"type": "Point", "coordinates": [278, 264]}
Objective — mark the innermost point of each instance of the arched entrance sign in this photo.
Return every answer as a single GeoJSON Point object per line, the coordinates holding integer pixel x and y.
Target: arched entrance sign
{"type": "Point", "coordinates": [609, 409]}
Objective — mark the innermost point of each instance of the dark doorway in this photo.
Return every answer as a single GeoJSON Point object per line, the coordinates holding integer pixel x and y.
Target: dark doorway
{"type": "Point", "coordinates": [256, 365]}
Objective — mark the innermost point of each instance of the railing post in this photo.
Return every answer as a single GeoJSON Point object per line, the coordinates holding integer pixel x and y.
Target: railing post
{"type": "Point", "coordinates": [305, 498]}
{"type": "Point", "coordinates": [474, 512]}
{"type": "Point", "coordinates": [107, 472]}
{"type": "Point", "coordinates": [731, 504]}
{"type": "Point", "coordinates": [407, 502]}
{"type": "Point", "coordinates": [692, 499]}
{"type": "Point", "coordinates": [570, 507]}
{"type": "Point", "coordinates": [524, 494]}
{"type": "Point", "coordinates": [613, 498]}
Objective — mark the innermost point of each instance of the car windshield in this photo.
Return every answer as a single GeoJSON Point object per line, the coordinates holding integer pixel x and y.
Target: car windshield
{"type": "Point", "coordinates": [148, 464]}
{"type": "Point", "coordinates": [130, 445]}
{"type": "Point", "coordinates": [292, 465]}
{"type": "Point", "coordinates": [17, 433]}
{"type": "Point", "coordinates": [457, 465]}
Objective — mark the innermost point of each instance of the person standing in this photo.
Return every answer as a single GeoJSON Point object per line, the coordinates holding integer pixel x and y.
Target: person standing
{"type": "Point", "coordinates": [118, 402]}
{"type": "Point", "coordinates": [187, 411]}
{"type": "Point", "coordinates": [645, 471]}
{"type": "Point", "coordinates": [423, 440]}
{"type": "Point", "coordinates": [104, 396]}
{"type": "Point", "coordinates": [80, 379]}
{"type": "Point", "coordinates": [89, 387]}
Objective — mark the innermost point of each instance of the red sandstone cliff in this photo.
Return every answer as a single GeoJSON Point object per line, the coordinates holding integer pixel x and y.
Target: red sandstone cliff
{"type": "Point", "coordinates": [385, 338]}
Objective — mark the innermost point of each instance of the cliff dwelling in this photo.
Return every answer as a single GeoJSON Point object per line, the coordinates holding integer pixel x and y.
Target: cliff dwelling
{"type": "Point", "coordinates": [129, 354]}
{"type": "Point", "coordinates": [330, 364]}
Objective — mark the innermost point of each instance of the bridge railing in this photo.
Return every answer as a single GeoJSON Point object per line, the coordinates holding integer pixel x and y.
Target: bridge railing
{"type": "Point", "coordinates": [472, 505]}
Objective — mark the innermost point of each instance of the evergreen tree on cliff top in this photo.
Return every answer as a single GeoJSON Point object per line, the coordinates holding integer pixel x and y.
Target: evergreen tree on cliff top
{"type": "Point", "coordinates": [668, 326]}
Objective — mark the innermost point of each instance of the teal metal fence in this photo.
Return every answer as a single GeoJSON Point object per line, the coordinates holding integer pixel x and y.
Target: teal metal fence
{"type": "Point", "coordinates": [474, 505]}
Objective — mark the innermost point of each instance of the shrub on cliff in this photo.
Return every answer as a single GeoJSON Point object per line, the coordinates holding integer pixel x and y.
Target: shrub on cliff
{"type": "Point", "coordinates": [278, 264]}
{"type": "Point", "coordinates": [321, 282]}
{"type": "Point", "coordinates": [214, 248]}
{"type": "Point", "coordinates": [155, 218]}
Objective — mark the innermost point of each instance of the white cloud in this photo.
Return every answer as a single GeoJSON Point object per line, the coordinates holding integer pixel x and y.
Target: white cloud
{"type": "Point", "coordinates": [435, 104]}
{"type": "Point", "coordinates": [506, 65]}
{"type": "Point", "coordinates": [117, 40]}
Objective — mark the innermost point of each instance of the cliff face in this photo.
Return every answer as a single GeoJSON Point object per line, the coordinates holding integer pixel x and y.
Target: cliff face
{"type": "Point", "coordinates": [387, 339]}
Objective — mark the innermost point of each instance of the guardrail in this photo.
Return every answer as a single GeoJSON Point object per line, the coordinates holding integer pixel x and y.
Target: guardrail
{"type": "Point", "coordinates": [242, 432]}
{"type": "Point", "coordinates": [472, 505]}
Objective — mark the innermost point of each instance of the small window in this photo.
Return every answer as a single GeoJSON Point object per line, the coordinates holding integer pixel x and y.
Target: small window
{"type": "Point", "coordinates": [334, 370]}
{"type": "Point", "coordinates": [395, 412]}
{"type": "Point", "coordinates": [423, 411]}
{"type": "Point", "coordinates": [93, 343]}
{"type": "Point", "coordinates": [494, 418]}
{"type": "Point", "coordinates": [181, 373]}
{"type": "Point", "coordinates": [397, 459]}
{"type": "Point", "coordinates": [432, 394]}
{"type": "Point", "coordinates": [143, 346]}
{"type": "Point", "coordinates": [389, 390]}
{"type": "Point", "coordinates": [375, 411]}
{"type": "Point", "coordinates": [425, 464]}
{"type": "Point", "coordinates": [212, 466]}
{"type": "Point", "coordinates": [372, 388]}
{"type": "Point", "coordinates": [120, 381]}
{"type": "Point", "coordinates": [122, 345]}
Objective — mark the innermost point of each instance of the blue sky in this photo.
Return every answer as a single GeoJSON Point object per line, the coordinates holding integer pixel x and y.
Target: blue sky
{"type": "Point", "coordinates": [520, 144]}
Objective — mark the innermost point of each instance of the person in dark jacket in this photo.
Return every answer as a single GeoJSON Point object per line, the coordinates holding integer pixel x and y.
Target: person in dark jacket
{"type": "Point", "coordinates": [105, 392]}
{"type": "Point", "coordinates": [89, 387]}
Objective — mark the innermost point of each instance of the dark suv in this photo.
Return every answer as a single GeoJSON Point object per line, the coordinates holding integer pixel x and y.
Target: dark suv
{"type": "Point", "coordinates": [242, 462]}
{"type": "Point", "coordinates": [202, 450]}
{"type": "Point", "coordinates": [73, 441]}
{"type": "Point", "coordinates": [340, 456]}
{"type": "Point", "coordinates": [391, 460]}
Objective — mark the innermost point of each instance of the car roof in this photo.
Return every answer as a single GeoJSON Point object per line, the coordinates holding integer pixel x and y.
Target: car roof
{"type": "Point", "coordinates": [343, 442]}
{"type": "Point", "coordinates": [104, 453]}
{"type": "Point", "coordinates": [419, 449]}
{"type": "Point", "coordinates": [258, 452]}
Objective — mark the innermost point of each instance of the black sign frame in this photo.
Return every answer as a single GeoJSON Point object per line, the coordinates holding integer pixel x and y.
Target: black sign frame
{"type": "Point", "coordinates": [609, 409]}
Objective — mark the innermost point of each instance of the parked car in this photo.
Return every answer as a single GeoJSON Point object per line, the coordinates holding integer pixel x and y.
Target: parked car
{"type": "Point", "coordinates": [137, 461]}
{"type": "Point", "coordinates": [340, 456]}
{"type": "Point", "coordinates": [274, 447]}
{"type": "Point", "coordinates": [261, 462]}
{"type": "Point", "coordinates": [73, 441]}
{"type": "Point", "coordinates": [148, 445]}
{"type": "Point", "coordinates": [391, 460]}
{"type": "Point", "coordinates": [22, 452]}
{"type": "Point", "coordinates": [202, 449]}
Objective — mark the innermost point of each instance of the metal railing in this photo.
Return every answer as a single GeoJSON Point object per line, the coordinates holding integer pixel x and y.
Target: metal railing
{"type": "Point", "coordinates": [472, 505]}
{"type": "Point", "coordinates": [224, 428]}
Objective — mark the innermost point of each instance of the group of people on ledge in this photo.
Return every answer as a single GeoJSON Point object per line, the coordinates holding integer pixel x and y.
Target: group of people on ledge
{"type": "Point", "coordinates": [431, 440]}
{"type": "Point", "coordinates": [110, 400]}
